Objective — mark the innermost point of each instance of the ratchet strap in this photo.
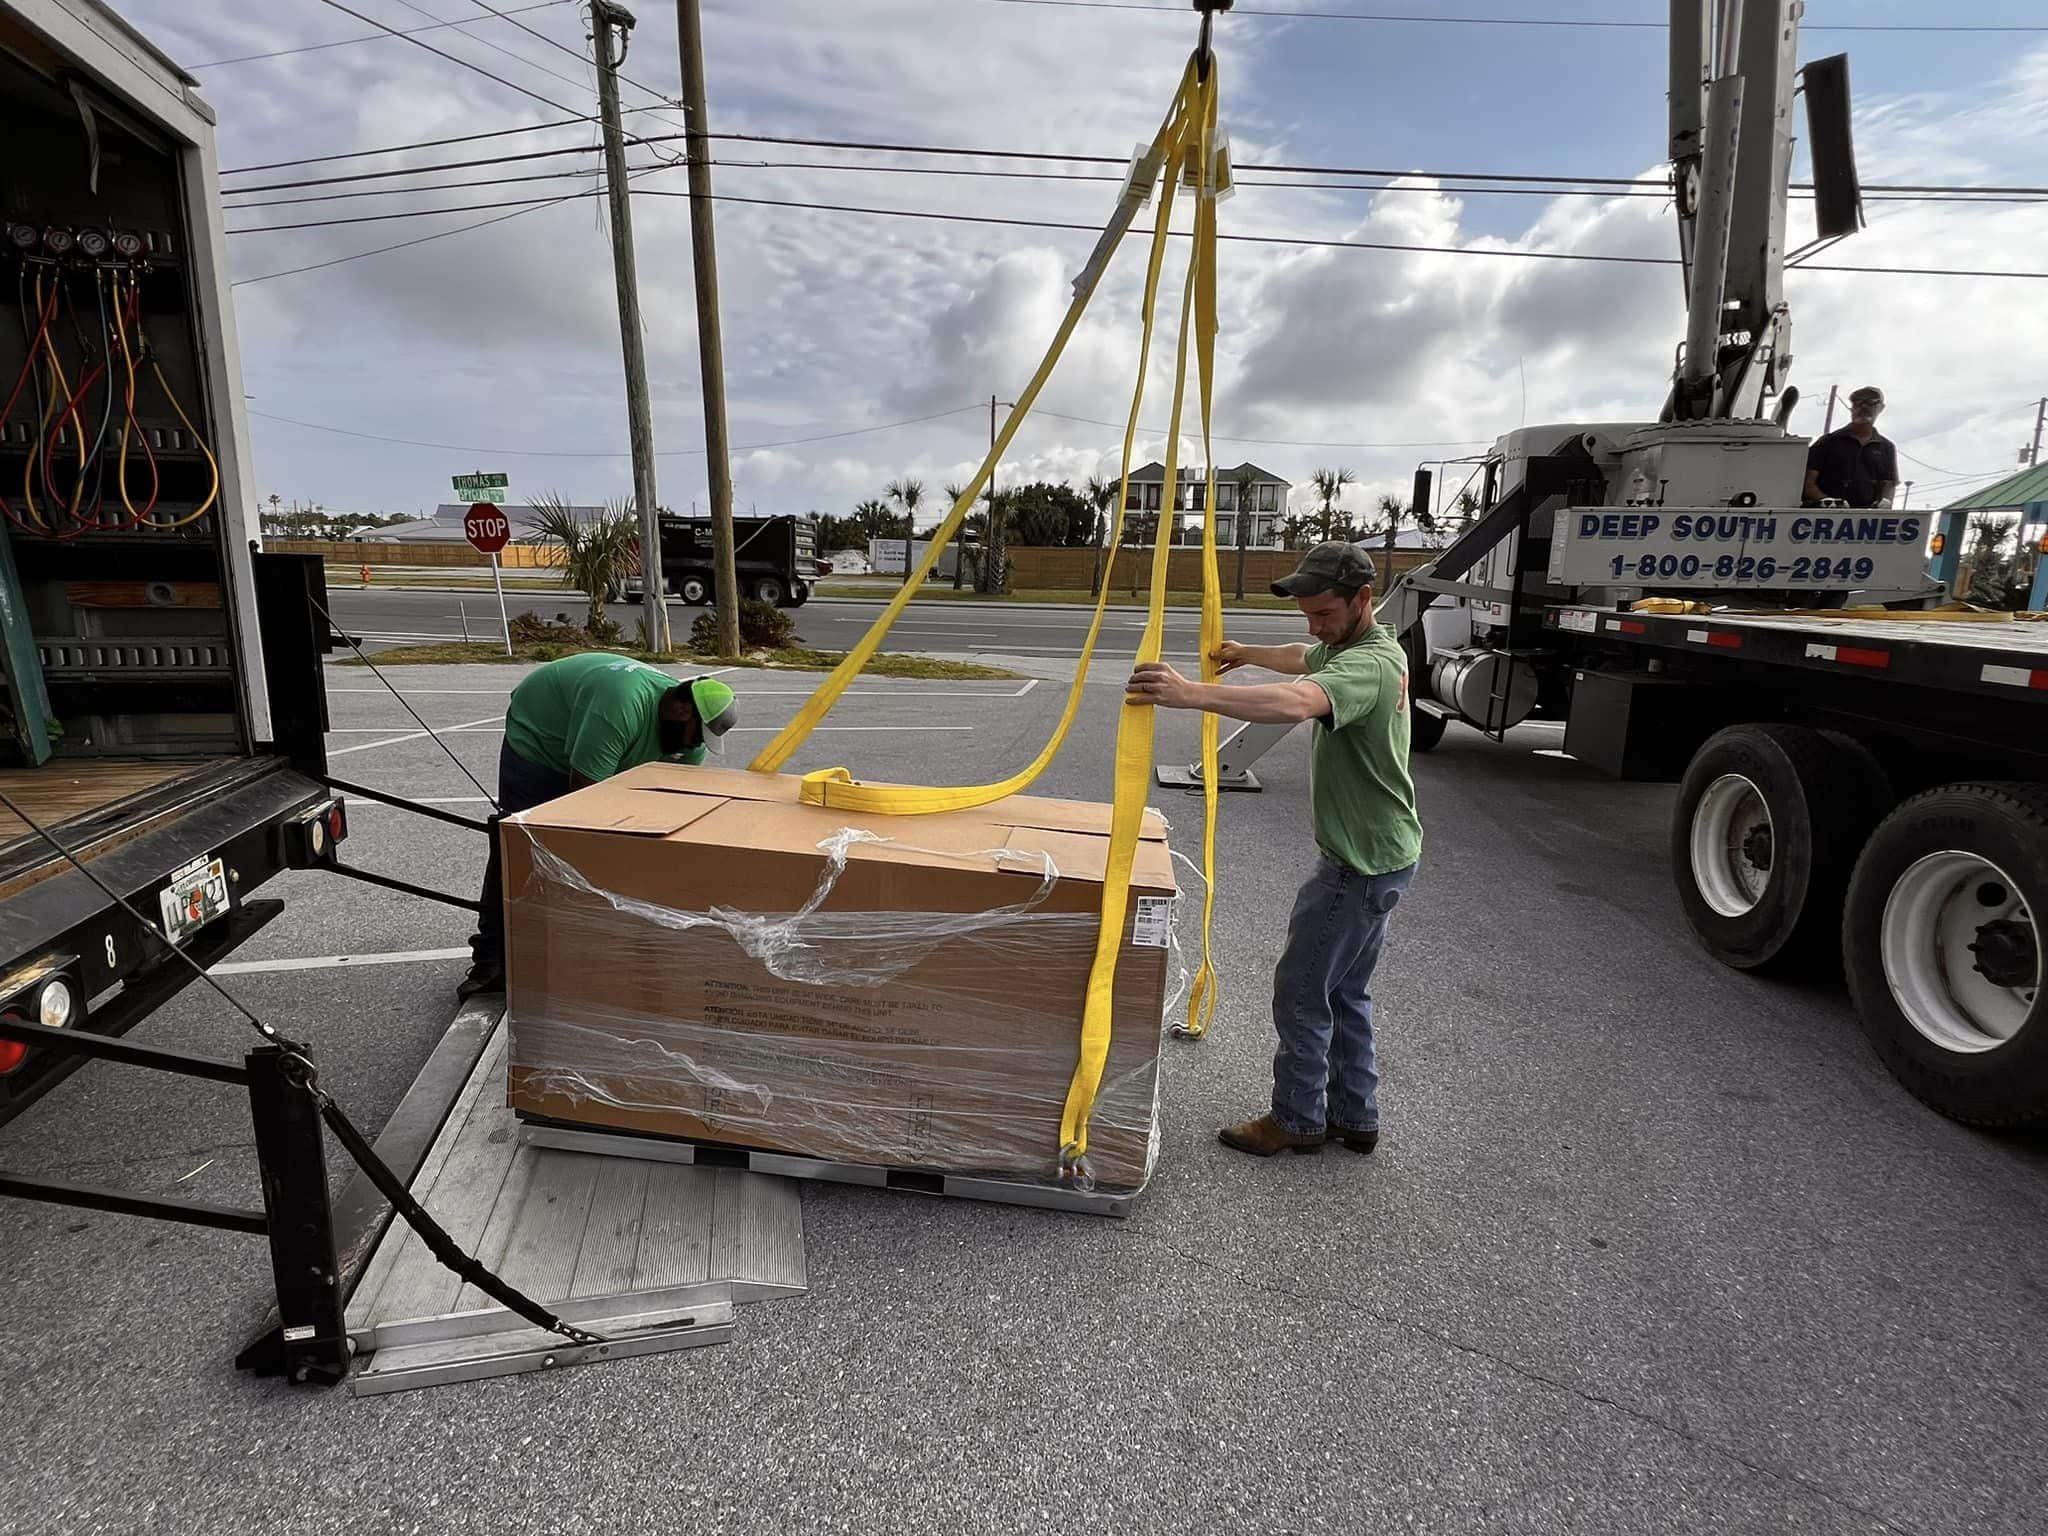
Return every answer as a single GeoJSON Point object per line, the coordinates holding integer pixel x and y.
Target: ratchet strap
{"type": "Point", "coordinates": [1183, 149]}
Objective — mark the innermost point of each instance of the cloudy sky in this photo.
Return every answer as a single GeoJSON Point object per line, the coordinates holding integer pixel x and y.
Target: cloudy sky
{"type": "Point", "coordinates": [499, 348]}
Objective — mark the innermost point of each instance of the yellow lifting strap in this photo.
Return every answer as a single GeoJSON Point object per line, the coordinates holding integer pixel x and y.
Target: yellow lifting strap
{"type": "Point", "coordinates": [1189, 126]}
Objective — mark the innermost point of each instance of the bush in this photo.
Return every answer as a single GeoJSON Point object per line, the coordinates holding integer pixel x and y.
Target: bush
{"type": "Point", "coordinates": [560, 637]}
{"type": "Point", "coordinates": [763, 627]}
{"type": "Point", "coordinates": [532, 629]}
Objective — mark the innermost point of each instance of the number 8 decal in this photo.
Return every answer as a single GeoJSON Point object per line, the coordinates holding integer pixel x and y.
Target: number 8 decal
{"type": "Point", "coordinates": [110, 952]}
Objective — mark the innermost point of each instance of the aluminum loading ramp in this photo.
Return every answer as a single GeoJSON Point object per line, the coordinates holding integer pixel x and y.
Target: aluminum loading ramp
{"type": "Point", "coordinates": [653, 1256]}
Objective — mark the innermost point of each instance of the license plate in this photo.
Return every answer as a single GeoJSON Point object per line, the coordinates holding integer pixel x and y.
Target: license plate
{"type": "Point", "coordinates": [197, 894]}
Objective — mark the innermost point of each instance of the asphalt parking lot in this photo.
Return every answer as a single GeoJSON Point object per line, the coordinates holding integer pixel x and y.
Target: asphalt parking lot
{"type": "Point", "coordinates": [1649, 1246]}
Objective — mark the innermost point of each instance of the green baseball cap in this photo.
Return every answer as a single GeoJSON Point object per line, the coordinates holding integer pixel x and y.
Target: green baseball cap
{"type": "Point", "coordinates": [718, 710]}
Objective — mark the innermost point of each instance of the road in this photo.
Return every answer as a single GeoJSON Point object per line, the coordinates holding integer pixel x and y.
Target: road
{"type": "Point", "coordinates": [829, 623]}
{"type": "Point", "coordinates": [1649, 1245]}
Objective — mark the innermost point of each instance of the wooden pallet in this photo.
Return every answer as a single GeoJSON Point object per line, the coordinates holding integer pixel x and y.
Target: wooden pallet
{"type": "Point", "coordinates": [653, 1255]}
{"type": "Point", "coordinates": [784, 1165]}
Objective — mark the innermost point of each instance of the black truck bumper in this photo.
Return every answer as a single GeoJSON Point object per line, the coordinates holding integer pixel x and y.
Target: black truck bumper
{"type": "Point", "coordinates": [64, 922]}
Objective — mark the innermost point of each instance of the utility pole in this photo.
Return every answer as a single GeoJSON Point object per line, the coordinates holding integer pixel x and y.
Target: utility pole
{"type": "Point", "coordinates": [992, 545]}
{"type": "Point", "coordinates": [710, 345]}
{"type": "Point", "coordinates": [2040, 414]}
{"type": "Point", "coordinates": [611, 23]}
{"type": "Point", "coordinates": [1828, 425]}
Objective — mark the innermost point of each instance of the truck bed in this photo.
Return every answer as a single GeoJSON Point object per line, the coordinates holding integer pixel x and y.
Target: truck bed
{"type": "Point", "coordinates": [1996, 658]}
{"type": "Point", "coordinates": [91, 802]}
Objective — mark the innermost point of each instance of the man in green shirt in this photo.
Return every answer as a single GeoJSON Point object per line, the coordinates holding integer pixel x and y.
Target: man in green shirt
{"type": "Point", "coordinates": [574, 722]}
{"type": "Point", "coordinates": [1353, 683]}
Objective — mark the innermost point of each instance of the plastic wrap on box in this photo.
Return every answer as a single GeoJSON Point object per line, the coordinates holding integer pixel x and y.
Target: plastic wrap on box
{"type": "Point", "coordinates": [688, 961]}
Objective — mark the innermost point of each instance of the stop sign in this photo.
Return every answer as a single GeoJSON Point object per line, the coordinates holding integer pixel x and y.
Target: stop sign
{"type": "Point", "coordinates": [486, 527]}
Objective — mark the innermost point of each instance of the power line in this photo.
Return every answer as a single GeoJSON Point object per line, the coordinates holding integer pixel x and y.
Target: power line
{"type": "Point", "coordinates": [438, 53]}
{"type": "Point", "coordinates": [1466, 182]}
{"type": "Point", "coordinates": [439, 186]}
{"type": "Point", "coordinates": [336, 261]}
{"type": "Point", "coordinates": [517, 58]}
{"type": "Point", "coordinates": [418, 170]}
{"type": "Point", "coordinates": [1654, 182]}
{"type": "Point", "coordinates": [367, 37]}
{"type": "Point", "coordinates": [381, 250]}
{"type": "Point", "coordinates": [671, 453]}
{"type": "Point", "coordinates": [663, 97]}
{"type": "Point", "coordinates": [1659, 194]}
{"type": "Point", "coordinates": [421, 213]}
{"type": "Point", "coordinates": [1958, 474]}
{"type": "Point", "coordinates": [1499, 21]}
{"type": "Point", "coordinates": [1656, 185]}
{"type": "Point", "coordinates": [400, 149]}
{"type": "Point", "coordinates": [1302, 242]}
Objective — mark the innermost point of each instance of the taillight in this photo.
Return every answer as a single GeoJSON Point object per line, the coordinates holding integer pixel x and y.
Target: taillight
{"type": "Point", "coordinates": [337, 823]}
{"type": "Point", "coordinates": [50, 999]}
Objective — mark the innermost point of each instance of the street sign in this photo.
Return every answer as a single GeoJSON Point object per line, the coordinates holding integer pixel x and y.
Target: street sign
{"type": "Point", "coordinates": [486, 528]}
{"type": "Point", "coordinates": [483, 482]}
{"type": "Point", "coordinates": [491, 493]}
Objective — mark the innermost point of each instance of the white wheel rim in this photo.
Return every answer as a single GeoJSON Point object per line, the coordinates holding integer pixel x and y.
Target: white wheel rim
{"type": "Point", "coordinates": [1727, 818]}
{"type": "Point", "coordinates": [1936, 910]}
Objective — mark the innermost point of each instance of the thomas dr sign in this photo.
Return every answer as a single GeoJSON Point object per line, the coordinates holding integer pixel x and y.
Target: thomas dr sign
{"type": "Point", "coordinates": [486, 527]}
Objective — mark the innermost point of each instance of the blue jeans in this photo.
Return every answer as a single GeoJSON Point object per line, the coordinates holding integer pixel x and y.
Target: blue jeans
{"type": "Point", "coordinates": [1322, 999]}
{"type": "Point", "coordinates": [521, 786]}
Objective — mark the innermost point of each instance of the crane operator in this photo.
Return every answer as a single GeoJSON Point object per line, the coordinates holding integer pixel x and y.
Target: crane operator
{"type": "Point", "coordinates": [1854, 464]}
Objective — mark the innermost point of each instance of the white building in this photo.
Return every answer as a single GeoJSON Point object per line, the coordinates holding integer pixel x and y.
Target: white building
{"type": "Point", "coordinates": [1267, 503]}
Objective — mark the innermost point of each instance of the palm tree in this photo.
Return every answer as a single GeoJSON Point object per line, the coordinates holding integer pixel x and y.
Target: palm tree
{"type": "Point", "coordinates": [907, 493]}
{"type": "Point", "coordinates": [1329, 489]}
{"type": "Point", "coordinates": [953, 490]}
{"type": "Point", "coordinates": [1101, 495]}
{"type": "Point", "coordinates": [1247, 480]}
{"type": "Point", "coordinates": [1392, 510]}
{"type": "Point", "coordinates": [598, 552]}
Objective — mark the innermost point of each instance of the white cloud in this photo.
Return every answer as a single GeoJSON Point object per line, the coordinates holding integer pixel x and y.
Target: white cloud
{"type": "Point", "coordinates": [509, 337]}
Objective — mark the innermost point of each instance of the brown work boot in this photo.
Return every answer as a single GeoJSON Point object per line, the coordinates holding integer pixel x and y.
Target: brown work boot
{"type": "Point", "coordinates": [1265, 1136]}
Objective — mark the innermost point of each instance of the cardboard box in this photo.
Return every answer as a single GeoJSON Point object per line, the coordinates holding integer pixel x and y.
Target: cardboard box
{"type": "Point", "coordinates": [693, 952]}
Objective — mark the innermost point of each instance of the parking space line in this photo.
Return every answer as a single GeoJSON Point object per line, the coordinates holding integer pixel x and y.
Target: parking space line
{"type": "Point", "coordinates": [442, 730]}
{"type": "Point", "coordinates": [358, 801]}
{"type": "Point", "coordinates": [330, 962]}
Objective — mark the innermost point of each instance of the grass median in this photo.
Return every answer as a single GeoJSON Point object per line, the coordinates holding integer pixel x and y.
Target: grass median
{"type": "Point", "coordinates": [795, 658]}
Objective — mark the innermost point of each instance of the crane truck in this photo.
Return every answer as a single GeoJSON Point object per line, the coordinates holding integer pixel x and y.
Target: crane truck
{"type": "Point", "coordinates": [1863, 773]}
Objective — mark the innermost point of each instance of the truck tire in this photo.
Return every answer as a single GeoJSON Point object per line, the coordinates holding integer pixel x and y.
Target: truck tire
{"type": "Point", "coordinates": [799, 594]}
{"type": "Point", "coordinates": [693, 588]}
{"type": "Point", "coordinates": [1424, 729]}
{"type": "Point", "coordinates": [1762, 842]}
{"type": "Point", "coordinates": [769, 589]}
{"type": "Point", "coordinates": [1944, 937]}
